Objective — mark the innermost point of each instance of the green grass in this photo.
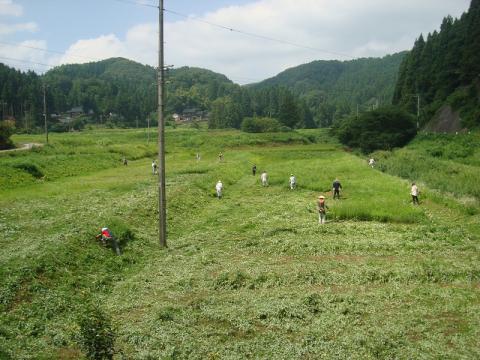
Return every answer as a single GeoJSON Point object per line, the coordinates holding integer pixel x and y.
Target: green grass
{"type": "Point", "coordinates": [450, 163]}
{"type": "Point", "coordinates": [251, 275]}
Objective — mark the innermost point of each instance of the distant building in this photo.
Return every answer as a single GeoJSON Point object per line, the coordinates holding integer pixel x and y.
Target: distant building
{"type": "Point", "coordinates": [189, 115]}
{"type": "Point", "coordinates": [75, 112]}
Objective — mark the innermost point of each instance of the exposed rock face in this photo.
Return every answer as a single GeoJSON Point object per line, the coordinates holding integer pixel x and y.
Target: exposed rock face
{"type": "Point", "coordinates": [445, 120]}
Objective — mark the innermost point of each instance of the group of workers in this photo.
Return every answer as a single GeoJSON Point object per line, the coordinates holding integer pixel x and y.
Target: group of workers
{"type": "Point", "coordinates": [292, 181]}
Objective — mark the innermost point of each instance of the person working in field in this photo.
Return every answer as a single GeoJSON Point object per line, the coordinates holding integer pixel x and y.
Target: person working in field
{"type": "Point", "coordinates": [154, 167]}
{"type": "Point", "coordinates": [322, 209]}
{"type": "Point", "coordinates": [371, 162]}
{"type": "Point", "coordinates": [414, 192]}
{"type": "Point", "coordinates": [292, 181]}
{"type": "Point", "coordinates": [264, 178]}
{"type": "Point", "coordinates": [254, 169]}
{"type": "Point", "coordinates": [219, 188]}
{"type": "Point", "coordinates": [336, 188]}
{"type": "Point", "coordinates": [220, 157]}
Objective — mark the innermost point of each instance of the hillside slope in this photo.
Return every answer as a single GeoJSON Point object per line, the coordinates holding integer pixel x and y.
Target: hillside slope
{"type": "Point", "coordinates": [335, 88]}
{"type": "Point", "coordinates": [443, 70]}
{"type": "Point", "coordinates": [250, 276]}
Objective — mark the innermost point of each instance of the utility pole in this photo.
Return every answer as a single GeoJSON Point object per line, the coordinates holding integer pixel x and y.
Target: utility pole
{"type": "Point", "coordinates": [162, 202]}
{"type": "Point", "coordinates": [45, 110]}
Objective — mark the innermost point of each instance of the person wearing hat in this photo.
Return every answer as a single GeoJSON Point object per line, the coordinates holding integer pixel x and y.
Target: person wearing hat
{"type": "Point", "coordinates": [292, 181]}
{"type": "Point", "coordinates": [322, 209]}
{"type": "Point", "coordinates": [219, 188]}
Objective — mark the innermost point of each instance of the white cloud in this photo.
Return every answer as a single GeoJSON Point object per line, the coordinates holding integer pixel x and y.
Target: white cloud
{"type": "Point", "coordinates": [8, 29]}
{"type": "Point", "coordinates": [103, 47]}
{"type": "Point", "coordinates": [26, 56]}
{"type": "Point", "coordinates": [9, 8]}
{"type": "Point", "coordinates": [357, 28]}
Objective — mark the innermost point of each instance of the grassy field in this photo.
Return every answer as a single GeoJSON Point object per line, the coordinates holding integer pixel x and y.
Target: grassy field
{"type": "Point", "coordinates": [250, 276]}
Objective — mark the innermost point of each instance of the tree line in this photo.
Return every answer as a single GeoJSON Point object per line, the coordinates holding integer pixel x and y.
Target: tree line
{"type": "Point", "coordinates": [443, 69]}
{"type": "Point", "coordinates": [123, 93]}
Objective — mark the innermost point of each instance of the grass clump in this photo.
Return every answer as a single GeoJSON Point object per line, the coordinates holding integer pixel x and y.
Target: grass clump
{"type": "Point", "coordinates": [96, 334]}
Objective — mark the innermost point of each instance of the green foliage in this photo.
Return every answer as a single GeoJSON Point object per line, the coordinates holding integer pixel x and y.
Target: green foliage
{"type": "Point", "coordinates": [260, 125]}
{"type": "Point", "coordinates": [455, 157]}
{"type": "Point", "coordinates": [333, 89]}
{"type": "Point", "coordinates": [384, 128]}
{"type": "Point", "coordinates": [120, 229]}
{"type": "Point", "coordinates": [30, 168]}
{"type": "Point", "coordinates": [443, 68]}
{"type": "Point", "coordinates": [6, 130]}
{"type": "Point", "coordinates": [96, 334]}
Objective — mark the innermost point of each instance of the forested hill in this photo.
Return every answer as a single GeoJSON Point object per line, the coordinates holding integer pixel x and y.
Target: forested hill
{"type": "Point", "coordinates": [333, 89]}
{"type": "Point", "coordinates": [444, 70]}
{"type": "Point", "coordinates": [128, 88]}
{"type": "Point", "coordinates": [124, 93]}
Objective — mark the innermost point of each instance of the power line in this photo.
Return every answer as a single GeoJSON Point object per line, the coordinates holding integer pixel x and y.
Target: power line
{"type": "Point", "coordinates": [263, 37]}
{"type": "Point", "coordinates": [27, 61]}
{"type": "Point", "coordinates": [246, 33]}
{"type": "Point", "coordinates": [41, 49]}
{"type": "Point", "coordinates": [137, 3]}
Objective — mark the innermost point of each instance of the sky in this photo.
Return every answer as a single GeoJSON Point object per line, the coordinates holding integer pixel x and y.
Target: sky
{"type": "Point", "coordinates": [272, 35]}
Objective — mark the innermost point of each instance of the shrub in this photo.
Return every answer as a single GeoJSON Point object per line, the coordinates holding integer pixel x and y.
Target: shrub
{"type": "Point", "coordinates": [121, 231]}
{"type": "Point", "coordinates": [97, 337]}
{"type": "Point", "coordinates": [6, 130]}
{"type": "Point", "coordinates": [30, 168]}
{"type": "Point", "coordinates": [381, 129]}
{"type": "Point", "coordinates": [261, 125]}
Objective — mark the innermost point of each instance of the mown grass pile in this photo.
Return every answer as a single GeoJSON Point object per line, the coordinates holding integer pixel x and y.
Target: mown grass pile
{"type": "Point", "coordinates": [251, 275]}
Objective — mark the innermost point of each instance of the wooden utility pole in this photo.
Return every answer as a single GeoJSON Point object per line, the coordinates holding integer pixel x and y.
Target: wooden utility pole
{"type": "Point", "coordinates": [162, 202]}
{"type": "Point", "coordinates": [45, 110]}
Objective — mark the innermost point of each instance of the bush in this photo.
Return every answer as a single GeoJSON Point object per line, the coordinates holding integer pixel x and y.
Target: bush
{"type": "Point", "coordinates": [6, 130]}
{"type": "Point", "coordinates": [381, 129]}
{"type": "Point", "coordinates": [260, 125]}
{"type": "Point", "coordinates": [30, 168]}
{"type": "Point", "coordinates": [97, 337]}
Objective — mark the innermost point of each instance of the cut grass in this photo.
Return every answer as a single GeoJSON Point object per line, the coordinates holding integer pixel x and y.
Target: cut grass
{"type": "Point", "coordinates": [251, 275]}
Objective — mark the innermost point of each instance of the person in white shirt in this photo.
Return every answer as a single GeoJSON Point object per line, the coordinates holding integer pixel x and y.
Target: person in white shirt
{"type": "Point", "coordinates": [414, 192]}
{"type": "Point", "coordinates": [264, 178]}
{"type": "Point", "coordinates": [371, 162]}
{"type": "Point", "coordinates": [219, 188]}
{"type": "Point", "coordinates": [293, 182]}
{"type": "Point", "coordinates": [154, 167]}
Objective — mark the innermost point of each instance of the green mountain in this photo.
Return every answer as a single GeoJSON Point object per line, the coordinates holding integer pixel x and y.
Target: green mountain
{"type": "Point", "coordinates": [124, 92]}
{"type": "Point", "coordinates": [333, 89]}
{"type": "Point", "coordinates": [128, 88]}
{"type": "Point", "coordinates": [444, 71]}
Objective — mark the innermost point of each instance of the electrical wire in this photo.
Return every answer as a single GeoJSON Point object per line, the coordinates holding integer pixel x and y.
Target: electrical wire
{"type": "Point", "coordinates": [41, 49]}
{"type": "Point", "coordinates": [246, 33]}
{"type": "Point", "coordinates": [27, 61]}
{"type": "Point", "coordinates": [137, 3]}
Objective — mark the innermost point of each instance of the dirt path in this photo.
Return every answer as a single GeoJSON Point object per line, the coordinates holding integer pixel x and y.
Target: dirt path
{"type": "Point", "coordinates": [27, 146]}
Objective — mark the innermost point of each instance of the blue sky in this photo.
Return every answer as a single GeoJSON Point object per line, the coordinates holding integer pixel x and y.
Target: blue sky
{"type": "Point", "coordinates": [91, 30]}
{"type": "Point", "coordinates": [64, 21]}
